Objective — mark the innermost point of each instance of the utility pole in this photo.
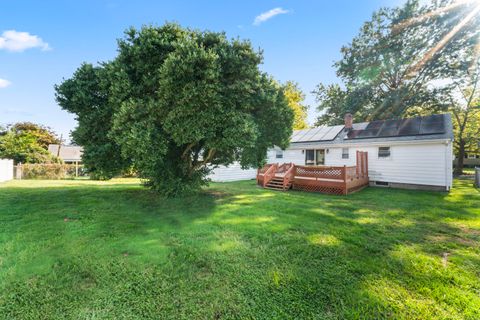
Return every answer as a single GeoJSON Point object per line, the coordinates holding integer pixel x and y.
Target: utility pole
{"type": "Point", "coordinates": [59, 145]}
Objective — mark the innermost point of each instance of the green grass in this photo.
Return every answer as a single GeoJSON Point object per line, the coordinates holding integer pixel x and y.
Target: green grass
{"type": "Point", "coordinates": [114, 250]}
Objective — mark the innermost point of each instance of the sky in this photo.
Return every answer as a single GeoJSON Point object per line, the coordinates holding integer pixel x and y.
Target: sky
{"type": "Point", "coordinates": [43, 42]}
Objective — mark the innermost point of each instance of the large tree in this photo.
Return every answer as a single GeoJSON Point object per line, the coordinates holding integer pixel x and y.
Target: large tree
{"type": "Point", "coordinates": [27, 142]}
{"type": "Point", "coordinates": [175, 103]}
{"type": "Point", "coordinates": [464, 97]}
{"type": "Point", "coordinates": [390, 67]}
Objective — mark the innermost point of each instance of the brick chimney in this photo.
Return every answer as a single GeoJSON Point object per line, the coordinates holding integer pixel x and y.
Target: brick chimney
{"type": "Point", "coordinates": [348, 121]}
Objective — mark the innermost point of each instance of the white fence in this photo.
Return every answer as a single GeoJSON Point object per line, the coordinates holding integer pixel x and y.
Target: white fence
{"type": "Point", "coordinates": [6, 170]}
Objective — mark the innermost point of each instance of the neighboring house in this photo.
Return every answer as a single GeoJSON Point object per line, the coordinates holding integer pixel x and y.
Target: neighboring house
{"type": "Point", "coordinates": [471, 160]}
{"type": "Point", "coordinates": [69, 154]}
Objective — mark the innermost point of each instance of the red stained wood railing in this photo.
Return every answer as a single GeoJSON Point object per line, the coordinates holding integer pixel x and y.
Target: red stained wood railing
{"type": "Point", "coordinates": [289, 176]}
{"type": "Point", "coordinates": [325, 179]}
{"type": "Point", "coordinates": [269, 174]}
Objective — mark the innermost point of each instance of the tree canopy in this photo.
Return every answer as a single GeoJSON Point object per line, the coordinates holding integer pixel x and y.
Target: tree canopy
{"type": "Point", "coordinates": [174, 104]}
{"type": "Point", "coordinates": [464, 97]}
{"type": "Point", "coordinates": [390, 67]}
{"type": "Point", "coordinates": [27, 142]}
{"type": "Point", "coordinates": [295, 98]}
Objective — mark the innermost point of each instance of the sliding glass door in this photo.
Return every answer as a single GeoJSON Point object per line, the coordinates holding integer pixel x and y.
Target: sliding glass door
{"type": "Point", "coordinates": [309, 157]}
{"type": "Point", "coordinates": [320, 157]}
{"type": "Point", "coordinates": [315, 157]}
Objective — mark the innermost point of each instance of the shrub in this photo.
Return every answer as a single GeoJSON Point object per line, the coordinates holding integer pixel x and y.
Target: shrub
{"type": "Point", "coordinates": [48, 171]}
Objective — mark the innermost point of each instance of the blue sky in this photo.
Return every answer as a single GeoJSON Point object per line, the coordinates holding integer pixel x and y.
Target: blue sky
{"type": "Point", "coordinates": [300, 40]}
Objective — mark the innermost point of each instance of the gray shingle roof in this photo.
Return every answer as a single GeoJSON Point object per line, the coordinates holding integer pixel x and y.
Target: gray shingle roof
{"type": "Point", "coordinates": [67, 153]}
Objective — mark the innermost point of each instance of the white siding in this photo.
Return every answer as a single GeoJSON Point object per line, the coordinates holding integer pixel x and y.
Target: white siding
{"type": "Point", "coordinates": [290, 155]}
{"type": "Point", "coordinates": [6, 170]}
{"type": "Point", "coordinates": [424, 164]}
{"type": "Point", "coordinates": [233, 172]}
{"type": "Point", "coordinates": [428, 163]}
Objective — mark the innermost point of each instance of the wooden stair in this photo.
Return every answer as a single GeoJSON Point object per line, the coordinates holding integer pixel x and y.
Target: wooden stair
{"type": "Point", "coordinates": [276, 183]}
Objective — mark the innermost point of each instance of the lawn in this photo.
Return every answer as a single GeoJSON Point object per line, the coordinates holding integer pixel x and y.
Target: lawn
{"type": "Point", "coordinates": [469, 171]}
{"type": "Point", "coordinates": [114, 250]}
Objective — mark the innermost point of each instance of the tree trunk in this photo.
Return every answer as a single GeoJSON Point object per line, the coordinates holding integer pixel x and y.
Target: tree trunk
{"type": "Point", "coordinates": [460, 158]}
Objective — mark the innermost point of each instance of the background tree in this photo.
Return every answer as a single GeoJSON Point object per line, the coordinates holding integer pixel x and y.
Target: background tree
{"type": "Point", "coordinates": [27, 142]}
{"type": "Point", "coordinates": [464, 97]}
{"type": "Point", "coordinates": [390, 65]}
{"type": "Point", "coordinates": [175, 103]}
{"type": "Point", "coordinates": [295, 98]}
{"type": "Point", "coordinates": [44, 135]}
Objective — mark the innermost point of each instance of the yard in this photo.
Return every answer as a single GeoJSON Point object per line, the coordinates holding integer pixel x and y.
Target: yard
{"type": "Point", "coordinates": [115, 250]}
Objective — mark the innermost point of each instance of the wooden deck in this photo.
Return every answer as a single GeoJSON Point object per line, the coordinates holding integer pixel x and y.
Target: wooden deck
{"type": "Point", "coordinates": [325, 179]}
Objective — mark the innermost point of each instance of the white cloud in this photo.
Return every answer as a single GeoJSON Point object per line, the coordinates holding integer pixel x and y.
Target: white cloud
{"type": "Point", "coordinates": [16, 41]}
{"type": "Point", "coordinates": [4, 83]}
{"type": "Point", "coordinates": [268, 15]}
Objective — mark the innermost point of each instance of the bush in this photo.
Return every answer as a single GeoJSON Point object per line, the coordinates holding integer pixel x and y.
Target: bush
{"type": "Point", "coordinates": [49, 171]}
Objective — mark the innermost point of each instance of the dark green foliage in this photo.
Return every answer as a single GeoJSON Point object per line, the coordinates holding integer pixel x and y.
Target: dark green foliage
{"type": "Point", "coordinates": [86, 95]}
{"type": "Point", "coordinates": [389, 68]}
{"type": "Point", "coordinates": [114, 250]}
{"type": "Point", "coordinates": [175, 103]}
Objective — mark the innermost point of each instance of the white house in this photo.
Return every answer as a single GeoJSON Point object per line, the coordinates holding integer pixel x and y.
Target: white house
{"type": "Point", "coordinates": [406, 153]}
{"type": "Point", "coordinates": [69, 154]}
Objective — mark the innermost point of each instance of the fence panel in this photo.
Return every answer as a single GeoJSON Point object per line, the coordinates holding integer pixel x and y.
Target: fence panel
{"type": "Point", "coordinates": [6, 170]}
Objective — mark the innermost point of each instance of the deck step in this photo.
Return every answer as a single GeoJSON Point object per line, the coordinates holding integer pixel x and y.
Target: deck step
{"type": "Point", "coordinates": [277, 186]}
{"type": "Point", "coordinates": [273, 188]}
{"type": "Point", "coordinates": [276, 182]}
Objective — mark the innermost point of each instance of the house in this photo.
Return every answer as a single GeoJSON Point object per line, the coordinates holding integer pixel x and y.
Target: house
{"type": "Point", "coordinates": [69, 154]}
{"type": "Point", "coordinates": [406, 153]}
{"type": "Point", "coordinates": [471, 160]}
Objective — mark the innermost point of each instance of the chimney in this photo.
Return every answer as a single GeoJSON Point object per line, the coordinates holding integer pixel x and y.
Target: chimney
{"type": "Point", "coordinates": [348, 121]}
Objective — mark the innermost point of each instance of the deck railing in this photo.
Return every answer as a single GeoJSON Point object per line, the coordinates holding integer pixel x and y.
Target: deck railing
{"type": "Point", "coordinates": [289, 176]}
{"type": "Point", "coordinates": [325, 179]}
{"type": "Point", "coordinates": [265, 174]}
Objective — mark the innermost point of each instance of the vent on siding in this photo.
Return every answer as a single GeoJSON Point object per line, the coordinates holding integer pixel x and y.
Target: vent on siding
{"type": "Point", "coordinates": [382, 183]}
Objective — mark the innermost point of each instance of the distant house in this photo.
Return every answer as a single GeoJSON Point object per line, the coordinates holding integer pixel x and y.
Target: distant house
{"type": "Point", "coordinates": [69, 154]}
{"type": "Point", "coordinates": [471, 160]}
{"type": "Point", "coordinates": [406, 153]}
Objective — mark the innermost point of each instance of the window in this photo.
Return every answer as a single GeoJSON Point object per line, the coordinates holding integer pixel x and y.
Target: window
{"type": "Point", "coordinates": [315, 157]}
{"type": "Point", "coordinates": [279, 154]}
{"type": "Point", "coordinates": [384, 152]}
{"type": "Point", "coordinates": [309, 157]}
{"type": "Point", "coordinates": [472, 156]}
{"type": "Point", "coordinates": [345, 154]}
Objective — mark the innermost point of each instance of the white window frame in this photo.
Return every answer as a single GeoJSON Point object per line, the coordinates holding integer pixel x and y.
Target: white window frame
{"type": "Point", "coordinates": [389, 153]}
{"type": "Point", "coordinates": [347, 154]}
